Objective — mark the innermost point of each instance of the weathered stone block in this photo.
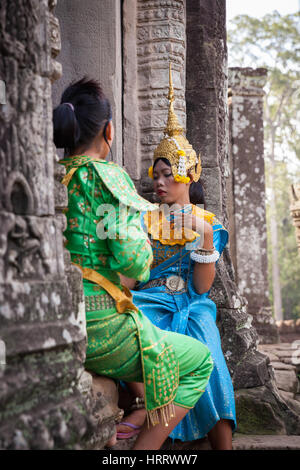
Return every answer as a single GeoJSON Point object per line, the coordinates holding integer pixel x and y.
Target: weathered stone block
{"type": "Point", "coordinates": [251, 370]}
{"type": "Point", "coordinates": [281, 365]}
{"type": "Point", "coordinates": [223, 291]}
{"type": "Point", "coordinates": [51, 302]}
{"type": "Point", "coordinates": [292, 400]}
{"type": "Point", "coordinates": [269, 443]}
{"type": "Point", "coordinates": [257, 412]}
{"type": "Point", "coordinates": [286, 380]}
{"type": "Point", "coordinates": [265, 325]}
{"type": "Point", "coordinates": [31, 247]}
{"type": "Point", "coordinates": [106, 412]}
{"type": "Point", "coordinates": [247, 217]}
{"type": "Point", "coordinates": [60, 190]}
{"type": "Point", "coordinates": [211, 178]}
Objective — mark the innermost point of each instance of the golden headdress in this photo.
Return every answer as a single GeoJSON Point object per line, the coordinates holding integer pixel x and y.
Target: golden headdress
{"type": "Point", "coordinates": [176, 148]}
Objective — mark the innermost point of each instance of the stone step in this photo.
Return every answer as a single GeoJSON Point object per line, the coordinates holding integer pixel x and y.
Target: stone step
{"type": "Point", "coordinates": [282, 366]}
{"type": "Point", "coordinates": [243, 442]}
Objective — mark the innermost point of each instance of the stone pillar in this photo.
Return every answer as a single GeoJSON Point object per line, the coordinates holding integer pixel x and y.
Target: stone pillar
{"type": "Point", "coordinates": [295, 210]}
{"type": "Point", "coordinates": [247, 225]}
{"type": "Point", "coordinates": [153, 36]}
{"type": "Point", "coordinates": [42, 325]}
{"type": "Point", "coordinates": [257, 397]}
{"type": "Point", "coordinates": [92, 46]}
{"type": "Point", "coordinates": [207, 118]}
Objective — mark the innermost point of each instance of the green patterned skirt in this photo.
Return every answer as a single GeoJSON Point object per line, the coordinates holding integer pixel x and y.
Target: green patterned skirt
{"type": "Point", "coordinates": [174, 368]}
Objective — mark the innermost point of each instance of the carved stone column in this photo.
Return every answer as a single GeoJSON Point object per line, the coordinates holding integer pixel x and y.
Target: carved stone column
{"type": "Point", "coordinates": [157, 38]}
{"type": "Point", "coordinates": [295, 210]}
{"type": "Point", "coordinates": [247, 221]}
{"type": "Point", "coordinates": [41, 324]}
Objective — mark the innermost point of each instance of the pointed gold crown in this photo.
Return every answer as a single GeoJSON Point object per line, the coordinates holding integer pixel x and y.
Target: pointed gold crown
{"type": "Point", "coordinates": [175, 147]}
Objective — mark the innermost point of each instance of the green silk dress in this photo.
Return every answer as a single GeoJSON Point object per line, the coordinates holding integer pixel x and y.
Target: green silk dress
{"type": "Point", "coordinates": [105, 238]}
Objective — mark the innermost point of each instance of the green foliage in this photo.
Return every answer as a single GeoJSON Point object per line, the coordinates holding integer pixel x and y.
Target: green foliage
{"type": "Point", "coordinates": [272, 42]}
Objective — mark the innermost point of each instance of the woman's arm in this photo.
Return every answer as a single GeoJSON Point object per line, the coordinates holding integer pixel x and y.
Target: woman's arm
{"type": "Point", "coordinates": [127, 281]}
{"type": "Point", "coordinates": [204, 273]}
{"type": "Point", "coordinates": [129, 244]}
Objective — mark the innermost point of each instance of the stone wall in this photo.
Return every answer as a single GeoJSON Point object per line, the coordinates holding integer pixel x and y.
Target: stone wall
{"type": "Point", "coordinates": [91, 40]}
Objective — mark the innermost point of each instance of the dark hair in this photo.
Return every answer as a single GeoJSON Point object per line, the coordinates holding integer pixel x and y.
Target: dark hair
{"type": "Point", "coordinates": [196, 191]}
{"type": "Point", "coordinates": [82, 112]}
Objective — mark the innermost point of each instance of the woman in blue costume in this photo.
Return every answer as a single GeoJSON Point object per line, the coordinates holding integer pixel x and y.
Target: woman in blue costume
{"type": "Point", "coordinates": [188, 312]}
{"type": "Point", "coordinates": [187, 242]}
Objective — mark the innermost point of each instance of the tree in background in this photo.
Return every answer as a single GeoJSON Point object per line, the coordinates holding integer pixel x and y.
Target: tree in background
{"type": "Point", "coordinates": [273, 42]}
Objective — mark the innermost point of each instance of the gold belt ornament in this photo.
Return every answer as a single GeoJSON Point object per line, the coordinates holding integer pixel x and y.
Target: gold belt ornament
{"type": "Point", "coordinates": [174, 284]}
{"type": "Point", "coordinates": [123, 298]}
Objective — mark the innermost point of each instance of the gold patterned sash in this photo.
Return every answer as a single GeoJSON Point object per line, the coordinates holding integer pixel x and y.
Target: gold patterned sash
{"type": "Point", "coordinates": [123, 298]}
{"type": "Point", "coordinates": [67, 178]}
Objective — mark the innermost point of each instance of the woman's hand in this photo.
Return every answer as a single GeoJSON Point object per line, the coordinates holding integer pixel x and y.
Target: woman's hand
{"type": "Point", "coordinates": [199, 225]}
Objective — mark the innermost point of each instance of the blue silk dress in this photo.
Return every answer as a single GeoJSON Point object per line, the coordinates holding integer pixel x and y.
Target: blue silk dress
{"type": "Point", "coordinates": [194, 315]}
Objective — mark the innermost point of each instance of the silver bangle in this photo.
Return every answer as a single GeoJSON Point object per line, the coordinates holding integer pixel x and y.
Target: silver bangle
{"type": "Point", "coordinates": [204, 258]}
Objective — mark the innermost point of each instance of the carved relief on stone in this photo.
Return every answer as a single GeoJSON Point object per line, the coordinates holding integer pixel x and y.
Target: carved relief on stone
{"type": "Point", "coordinates": [18, 195]}
{"type": "Point", "coordinates": [31, 247]}
{"type": "Point", "coordinates": [247, 81]}
{"type": "Point", "coordinates": [25, 131]}
{"type": "Point", "coordinates": [55, 44]}
{"type": "Point", "coordinates": [160, 39]}
{"type": "Point", "coordinates": [295, 210]}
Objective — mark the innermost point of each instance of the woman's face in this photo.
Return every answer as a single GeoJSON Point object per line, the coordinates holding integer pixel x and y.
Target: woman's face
{"type": "Point", "coordinates": [167, 189]}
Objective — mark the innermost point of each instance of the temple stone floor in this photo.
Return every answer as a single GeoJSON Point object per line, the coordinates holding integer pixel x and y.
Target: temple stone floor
{"type": "Point", "coordinates": [240, 442]}
{"type": "Point", "coordinates": [285, 360]}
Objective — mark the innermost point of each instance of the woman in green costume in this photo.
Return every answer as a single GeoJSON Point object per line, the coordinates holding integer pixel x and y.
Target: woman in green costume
{"type": "Point", "coordinates": [105, 239]}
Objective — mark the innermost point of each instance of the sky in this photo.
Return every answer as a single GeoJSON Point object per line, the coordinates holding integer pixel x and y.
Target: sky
{"type": "Point", "coordinates": [258, 8]}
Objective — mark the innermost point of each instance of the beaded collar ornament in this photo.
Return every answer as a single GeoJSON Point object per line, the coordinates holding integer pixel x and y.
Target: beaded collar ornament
{"type": "Point", "coordinates": [176, 148]}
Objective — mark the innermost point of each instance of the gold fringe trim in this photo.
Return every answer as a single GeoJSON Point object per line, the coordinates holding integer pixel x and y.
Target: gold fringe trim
{"type": "Point", "coordinates": [161, 415]}
{"type": "Point", "coordinates": [159, 228]}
